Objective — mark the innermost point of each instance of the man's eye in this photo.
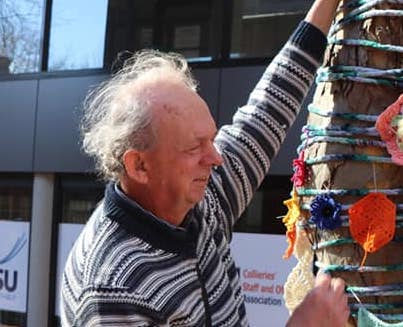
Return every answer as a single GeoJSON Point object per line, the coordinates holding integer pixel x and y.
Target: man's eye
{"type": "Point", "coordinates": [194, 149]}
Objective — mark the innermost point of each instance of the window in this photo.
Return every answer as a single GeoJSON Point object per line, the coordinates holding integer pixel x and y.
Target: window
{"type": "Point", "coordinates": [77, 34]}
{"type": "Point", "coordinates": [191, 27]}
{"type": "Point", "coordinates": [77, 197]}
{"type": "Point", "coordinates": [264, 213]}
{"type": "Point", "coordinates": [261, 27]}
{"type": "Point", "coordinates": [20, 41]}
{"type": "Point", "coordinates": [91, 34]}
{"type": "Point", "coordinates": [15, 216]}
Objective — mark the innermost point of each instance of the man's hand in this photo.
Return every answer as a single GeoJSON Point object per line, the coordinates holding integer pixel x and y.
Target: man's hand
{"type": "Point", "coordinates": [326, 305]}
{"type": "Point", "coordinates": [322, 13]}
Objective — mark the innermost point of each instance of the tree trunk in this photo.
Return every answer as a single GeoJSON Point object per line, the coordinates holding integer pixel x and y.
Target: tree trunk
{"type": "Point", "coordinates": [346, 96]}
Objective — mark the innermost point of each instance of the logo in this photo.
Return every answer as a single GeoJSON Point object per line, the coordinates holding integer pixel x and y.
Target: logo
{"type": "Point", "coordinates": [18, 246]}
{"type": "Point", "coordinates": [8, 278]}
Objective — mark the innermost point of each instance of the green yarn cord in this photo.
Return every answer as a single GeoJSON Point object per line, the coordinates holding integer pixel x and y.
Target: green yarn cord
{"type": "Point", "coordinates": [368, 319]}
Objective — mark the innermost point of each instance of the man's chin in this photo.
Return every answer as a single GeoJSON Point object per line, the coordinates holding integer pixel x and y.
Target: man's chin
{"type": "Point", "coordinates": [197, 197]}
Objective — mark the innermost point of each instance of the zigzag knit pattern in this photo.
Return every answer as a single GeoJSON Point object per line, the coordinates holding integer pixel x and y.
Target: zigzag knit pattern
{"type": "Point", "coordinates": [129, 268]}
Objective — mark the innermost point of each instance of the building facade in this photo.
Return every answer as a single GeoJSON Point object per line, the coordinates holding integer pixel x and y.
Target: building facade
{"type": "Point", "coordinates": [52, 52]}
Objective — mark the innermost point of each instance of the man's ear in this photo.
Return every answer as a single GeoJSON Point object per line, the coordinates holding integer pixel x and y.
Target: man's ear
{"type": "Point", "coordinates": [135, 167]}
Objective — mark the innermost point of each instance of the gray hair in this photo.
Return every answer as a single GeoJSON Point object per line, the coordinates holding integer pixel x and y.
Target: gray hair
{"type": "Point", "coordinates": [117, 118]}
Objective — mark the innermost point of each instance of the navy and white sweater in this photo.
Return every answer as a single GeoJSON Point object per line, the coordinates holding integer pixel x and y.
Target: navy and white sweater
{"type": "Point", "coordinates": [129, 268]}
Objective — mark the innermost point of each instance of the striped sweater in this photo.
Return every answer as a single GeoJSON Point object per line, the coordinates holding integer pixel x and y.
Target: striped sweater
{"type": "Point", "coordinates": [129, 268]}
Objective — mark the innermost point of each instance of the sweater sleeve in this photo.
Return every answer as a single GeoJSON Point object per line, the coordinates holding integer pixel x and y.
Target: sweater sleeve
{"type": "Point", "coordinates": [253, 139]}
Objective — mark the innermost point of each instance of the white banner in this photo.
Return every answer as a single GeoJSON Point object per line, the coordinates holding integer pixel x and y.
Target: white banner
{"type": "Point", "coordinates": [263, 273]}
{"type": "Point", "coordinates": [68, 233]}
{"type": "Point", "coordinates": [14, 243]}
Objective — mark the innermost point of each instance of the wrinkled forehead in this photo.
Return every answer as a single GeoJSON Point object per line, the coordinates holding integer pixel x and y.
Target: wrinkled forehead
{"type": "Point", "coordinates": [176, 99]}
{"type": "Point", "coordinates": [176, 108]}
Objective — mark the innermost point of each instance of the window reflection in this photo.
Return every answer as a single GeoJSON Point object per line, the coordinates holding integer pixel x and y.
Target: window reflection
{"type": "Point", "coordinates": [89, 34]}
{"type": "Point", "coordinates": [77, 34]}
{"type": "Point", "coordinates": [15, 204]}
{"type": "Point", "coordinates": [20, 31]}
{"type": "Point", "coordinates": [261, 27]}
{"type": "Point", "coordinates": [79, 205]}
{"type": "Point", "coordinates": [191, 27]}
{"type": "Point", "coordinates": [264, 213]}
{"type": "Point", "coordinates": [80, 196]}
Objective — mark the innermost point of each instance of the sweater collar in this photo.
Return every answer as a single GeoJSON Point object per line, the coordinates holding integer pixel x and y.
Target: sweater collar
{"type": "Point", "coordinates": [144, 225]}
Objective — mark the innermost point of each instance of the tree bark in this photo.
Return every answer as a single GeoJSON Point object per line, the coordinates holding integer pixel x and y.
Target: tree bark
{"type": "Point", "coordinates": [343, 96]}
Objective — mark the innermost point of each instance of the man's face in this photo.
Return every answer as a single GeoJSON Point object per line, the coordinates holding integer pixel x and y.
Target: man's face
{"type": "Point", "coordinates": [180, 163]}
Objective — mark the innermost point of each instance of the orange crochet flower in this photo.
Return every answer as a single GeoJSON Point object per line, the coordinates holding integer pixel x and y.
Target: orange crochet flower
{"type": "Point", "coordinates": [372, 222]}
{"type": "Point", "coordinates": [290, 220]}
{"type": "Point", "coordinates": [390, 127]}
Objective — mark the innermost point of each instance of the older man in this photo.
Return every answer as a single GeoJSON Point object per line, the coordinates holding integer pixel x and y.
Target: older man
{"type": "Point", "coordinates": [156, 251]}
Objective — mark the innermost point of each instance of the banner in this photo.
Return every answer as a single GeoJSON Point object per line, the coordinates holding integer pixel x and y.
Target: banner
{"type": "Point", "coordinates": [263, 273]}
{"type": "Point", "coordinates": [68, 233]}
{"type": "Point", "coordinates": [14, 243]}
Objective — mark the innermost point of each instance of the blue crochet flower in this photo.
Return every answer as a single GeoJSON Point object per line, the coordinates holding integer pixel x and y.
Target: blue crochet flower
{"type": "Point", "coordinates": [325, 212]}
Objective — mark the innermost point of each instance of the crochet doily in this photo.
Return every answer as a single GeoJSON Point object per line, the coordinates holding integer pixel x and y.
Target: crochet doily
{"type": "Point", "coordinates": [301, 279]}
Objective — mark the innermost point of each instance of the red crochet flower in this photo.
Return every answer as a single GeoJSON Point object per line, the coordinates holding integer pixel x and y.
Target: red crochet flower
{"type": "Point", "coordinates": [390, 127]}
{"type": "Point", "coordinates": [300, 172]}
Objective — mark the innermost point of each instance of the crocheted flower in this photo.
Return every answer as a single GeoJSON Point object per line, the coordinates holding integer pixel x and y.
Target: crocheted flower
{"type": "Point", "coordinates": [390, 127]}
{"type": "Point", "coordinates": [325, 212]}
{"type": "Point", "coordinates": [397, 125]}
{"type": "Point", "coordinates": [300, 171]}
{"type": "Point", "coordinates": [290, 220]}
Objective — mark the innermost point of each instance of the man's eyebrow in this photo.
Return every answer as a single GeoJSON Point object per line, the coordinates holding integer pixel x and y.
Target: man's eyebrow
{"type": "Point", "coordinates": [207, 137]}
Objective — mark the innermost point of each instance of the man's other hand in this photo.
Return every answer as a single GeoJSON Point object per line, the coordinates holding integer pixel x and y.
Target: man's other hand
{"type": "Point", "coordinates": [325, 305]}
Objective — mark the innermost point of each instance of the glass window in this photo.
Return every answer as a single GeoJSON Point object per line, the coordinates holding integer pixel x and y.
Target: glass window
{"type": "Point", "coordinates": [20, 31]}
{"type": "Point", "coordinates": [191, 27]}
{"type": "Point", "coordinates": [80, 196]}
{"type": "Point", "coordinates": [77, 34]}
{"type": "Point", "coordinates": [264, 213]}
{"type": "Point", "coordinates": [91, 34]}
{"type": "Point", "coordinates": [77, 197]}
{"type": "Point", "coordinates": [15, 216]}
{"type": "Point", "coordinates": [261, 27]}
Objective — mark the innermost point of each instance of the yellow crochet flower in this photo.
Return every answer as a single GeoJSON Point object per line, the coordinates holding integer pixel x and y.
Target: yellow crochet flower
{"type": "Point", "coordinates": [290, 220]}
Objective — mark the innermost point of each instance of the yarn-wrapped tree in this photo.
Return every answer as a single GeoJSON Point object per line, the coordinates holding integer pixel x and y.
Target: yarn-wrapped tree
{"type": "Point", "coordinates": [346, 211]}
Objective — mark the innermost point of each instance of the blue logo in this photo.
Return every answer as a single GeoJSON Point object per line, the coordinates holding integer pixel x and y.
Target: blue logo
{"type": "Point", "coordinates": [9, 279]}
{"type": "Point", "coordinates": [18, 246]}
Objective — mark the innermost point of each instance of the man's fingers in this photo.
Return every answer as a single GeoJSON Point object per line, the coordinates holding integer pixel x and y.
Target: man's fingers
{"type": "Point", "coordinates": [323, 279]}
{"type": "Point", "coordinates": [338, 285]}
{"type": "Point", "coordinates": [325, 305]}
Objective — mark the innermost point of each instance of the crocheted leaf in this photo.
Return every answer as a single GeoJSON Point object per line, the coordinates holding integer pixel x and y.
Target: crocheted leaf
{"type": "Point", "coordinates": [373, 221]}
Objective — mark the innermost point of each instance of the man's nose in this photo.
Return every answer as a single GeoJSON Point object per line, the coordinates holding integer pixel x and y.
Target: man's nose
{"type": "Point", "coordinates": [213, 156]}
